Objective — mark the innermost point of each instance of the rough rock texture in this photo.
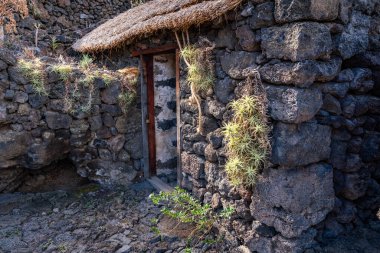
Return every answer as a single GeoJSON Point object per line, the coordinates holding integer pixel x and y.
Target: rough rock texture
{"type": "Point", "coordinates": [298, 145]}
{"type": "Point", "coordinates": [293, 10]}
{"type": "Point", "coordinates": [319, 60]}
{"type": "Point", "coordinates": [319, 63]}
{"type": "Point", "coordinates": [297, 42]}
{"type": "Point", "coordinates": [301, 198]}
{"type": "Point", "coordinates": [354, 39]}
{"type": "Point", "coordinates": [292, 105]}
{"type": "Point", "coordinates": [234, 63]}
{"type": "Point", "coordinates": [37, 131]}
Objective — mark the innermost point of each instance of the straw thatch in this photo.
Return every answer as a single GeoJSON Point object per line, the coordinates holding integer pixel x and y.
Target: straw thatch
{"type": "Point", "coordinates": [150, 17]}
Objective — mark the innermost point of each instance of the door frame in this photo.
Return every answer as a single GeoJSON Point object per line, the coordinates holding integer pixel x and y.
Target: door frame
{"type": "Point", "coordinates": [147, 107]}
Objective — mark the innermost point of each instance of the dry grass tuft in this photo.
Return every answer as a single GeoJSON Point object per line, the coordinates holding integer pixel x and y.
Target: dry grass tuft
{"type": "Point", "coordinates": [34, 71]}
{"type": "Point", "coordinates": [8, 9]}
{"type": "Point", "coordinates": [201, 67]}
{"type": "Point", "coordinates": [247, 136]}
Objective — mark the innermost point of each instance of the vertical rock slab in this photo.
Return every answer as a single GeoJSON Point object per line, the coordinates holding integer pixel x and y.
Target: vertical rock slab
{"type": "Point", "coordinates": [294, 200]}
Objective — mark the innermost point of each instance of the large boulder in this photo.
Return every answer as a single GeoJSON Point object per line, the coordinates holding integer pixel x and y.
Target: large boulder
{"type": "Point", "coordinates": [301, 74]}
{"type": "Point", "coordinates": [299, 145]}
{"type": "Point", "coordinates": [297, 41]}
{"type": "Point", "coordinates": [40, 155]}
{"type": "Point", "coordinates": [294, 200]}
{"type": "Point", "coordinates": [293, 10]}
{"type": "Point", "coordinates": [292, 105]}
{"type": "Point", "coordinates": [13, 145]}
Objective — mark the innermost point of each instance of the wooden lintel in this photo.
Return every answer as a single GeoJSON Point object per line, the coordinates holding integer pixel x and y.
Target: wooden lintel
{"type": "Point", "coordinates": [161, 49]}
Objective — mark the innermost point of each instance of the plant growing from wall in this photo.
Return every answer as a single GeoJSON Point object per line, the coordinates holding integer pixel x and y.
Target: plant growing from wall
{"type": "Point", "coordinates": [182, 207]}
{"type": "Point", "coordinates": [33, 70]}
{"type": "Point", "coordinates": [85, 62]}
{"type": "Point", "coordinates": [63, 70]}
{"type": "Point", "coordinates": [54, 44]}
{"type": "Point", "coordinates": [247, 135]}
{"type": "Point", "coordinates": [200, 68]}
{"type": "Point", "coordinates": [128, 93]}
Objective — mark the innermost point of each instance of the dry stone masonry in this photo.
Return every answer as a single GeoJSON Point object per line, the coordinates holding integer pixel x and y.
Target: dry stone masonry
{"type": "Point", "coordinates": [103, 143]}
{"type": "Point", "coordinates": [320, 65]}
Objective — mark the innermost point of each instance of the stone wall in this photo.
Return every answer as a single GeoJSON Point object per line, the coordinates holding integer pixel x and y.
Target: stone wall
{"type": "Point", "coordinates": [35, 130]}
{"type": "Point", "coordinates": [66, 20]}
{"type": "Point", "coordinates": [319, 61]}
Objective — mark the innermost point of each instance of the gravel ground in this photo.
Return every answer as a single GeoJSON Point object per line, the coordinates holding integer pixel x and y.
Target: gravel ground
{"type": "Point", "coordinates": [88, 219]}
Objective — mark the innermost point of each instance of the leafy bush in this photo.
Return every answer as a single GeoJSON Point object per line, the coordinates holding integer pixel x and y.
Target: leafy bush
{"type": "Point", "coordinates": [184, 208]}
{"type": "Point", "coordinates": [247, 137]}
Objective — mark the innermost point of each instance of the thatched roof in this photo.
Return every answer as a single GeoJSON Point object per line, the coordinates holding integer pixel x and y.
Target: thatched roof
{"type": "Point", "coordinates": [150, 17]}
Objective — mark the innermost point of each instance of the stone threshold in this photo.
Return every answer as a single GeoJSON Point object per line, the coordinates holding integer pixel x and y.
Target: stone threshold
{"type": "Point", "coordinates": [159, 185]}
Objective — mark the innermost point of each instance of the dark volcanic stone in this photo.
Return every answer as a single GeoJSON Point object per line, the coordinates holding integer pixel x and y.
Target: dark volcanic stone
{"type": "Point", "coordinates": [57, 120]}
{"type": "Point", "coordinates": [298, 145]}
{"type": "Point", "coordinates": [224, 90]}
{"type": "Point", "coordinates": [262, 16]}
{"type": "Point", "coordinates": [370, 150]}
{"type": "Point", "coordinates": [293, 10]}
{"type": "Point", "coordinates": [297, 41]}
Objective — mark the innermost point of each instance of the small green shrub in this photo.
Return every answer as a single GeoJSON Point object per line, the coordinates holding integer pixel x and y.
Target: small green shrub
{"type": "Point", "coordinates": [63, 70]}
{"type": "Point", "coordinates": [54, 44]}
{"type": "Point", "coordinates": [184, 208]}
{"type": "Point", "coordinates": [247, 140]}
{"type": "Point", "coordinates": [33, 70]}
{"type": "Point", "coordinates": [85, 62]}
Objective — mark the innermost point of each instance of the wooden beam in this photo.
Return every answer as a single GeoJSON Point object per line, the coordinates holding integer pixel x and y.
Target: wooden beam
{"type": "Point", "coordinates": [178, 112]}
{"type": "Point", "coordinates": [161, 49]}
{"type": "Point", "coordinates": [151, 114]}
{"type": "Point", "coordinates": [144, 117]}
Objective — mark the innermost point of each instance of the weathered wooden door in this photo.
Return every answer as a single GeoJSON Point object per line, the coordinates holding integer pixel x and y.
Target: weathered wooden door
{"type": "Point", "coordinates": [161, 118]}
